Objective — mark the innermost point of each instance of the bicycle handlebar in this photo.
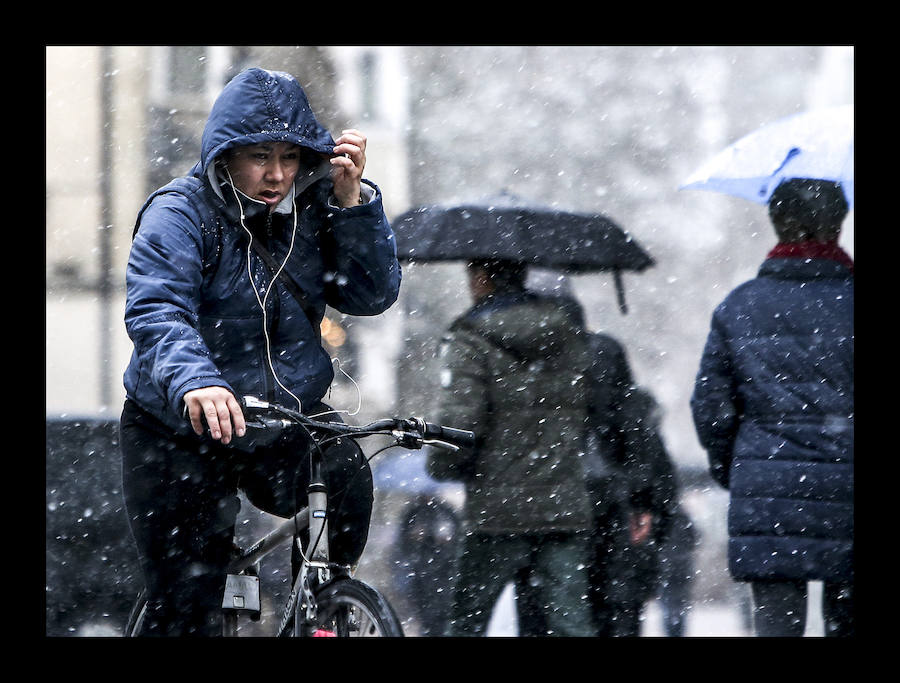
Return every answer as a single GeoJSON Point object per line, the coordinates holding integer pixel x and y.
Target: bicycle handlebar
{"type": "Point", "coordinates": [413, 432]}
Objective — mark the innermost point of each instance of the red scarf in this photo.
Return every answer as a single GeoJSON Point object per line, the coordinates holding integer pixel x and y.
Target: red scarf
{"type": "Point", "coordinates": [811, 249]}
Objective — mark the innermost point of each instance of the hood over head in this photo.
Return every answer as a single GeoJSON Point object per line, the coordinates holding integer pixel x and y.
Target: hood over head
{"type": "Point", "coordinates": [258, 106]}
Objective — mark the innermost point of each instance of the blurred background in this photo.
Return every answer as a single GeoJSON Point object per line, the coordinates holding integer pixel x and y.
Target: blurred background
{"type": "Point", "coordinates": [608, 129]}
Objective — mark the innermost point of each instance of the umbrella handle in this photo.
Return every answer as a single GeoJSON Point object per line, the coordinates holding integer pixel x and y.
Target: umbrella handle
{"type": "Point", "coordinates": [620, 290]}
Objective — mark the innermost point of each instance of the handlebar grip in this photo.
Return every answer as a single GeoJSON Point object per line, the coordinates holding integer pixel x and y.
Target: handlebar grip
{"type": "Point", "coordinates": [458, 437]}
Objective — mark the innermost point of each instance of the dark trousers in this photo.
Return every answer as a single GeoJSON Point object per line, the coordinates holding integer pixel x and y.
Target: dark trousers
{"type": "Point", "coordinates": [611, 575]}
{"type": "Point", "coordinates": [181, 498]}
{"type": "Point", "coordinates": [554, 564]}
{"type": "Point", "coordinates": [780, 608]}
{"type": "Point", "coordinates": [675, 594]}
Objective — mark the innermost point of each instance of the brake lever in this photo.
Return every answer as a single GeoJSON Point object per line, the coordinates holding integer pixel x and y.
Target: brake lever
{"type": "Point", "coordinates": [452, 447]}
{"type": "Point", "coordinates": [415, 441]}
{"type": "Point", "coordinates": [261, 420]}
{"type": "Point", "coordinates": [411, 440]}
{"type": "Point", "coordinates": [266, 421]}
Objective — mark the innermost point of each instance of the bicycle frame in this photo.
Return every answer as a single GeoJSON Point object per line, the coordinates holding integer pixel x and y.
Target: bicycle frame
{"type": "Point", "coordinates": [269, 542]}
{"type": "Point", "coordinates": [314, 517]}
{"type": "Point", "coordinates": [316, 567]}
{"type": "Point", "coordinates": [347, 604]}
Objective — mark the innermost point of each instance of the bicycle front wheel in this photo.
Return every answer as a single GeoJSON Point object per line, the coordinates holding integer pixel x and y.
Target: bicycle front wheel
{"type": "Point", "coordinates": [348, 608]}
{"type": "Point", "coordinates": [136, 617]}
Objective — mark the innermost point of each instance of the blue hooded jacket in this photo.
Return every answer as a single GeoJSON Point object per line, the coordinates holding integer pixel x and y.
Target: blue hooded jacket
{"type": "Point", "coordinates": [773, 407]}
{"type": "Point", "coordinates": [192, 311]}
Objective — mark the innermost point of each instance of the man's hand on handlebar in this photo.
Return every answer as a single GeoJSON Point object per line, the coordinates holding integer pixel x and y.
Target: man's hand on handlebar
{"type": "Point", "coordinates": [221, 411]}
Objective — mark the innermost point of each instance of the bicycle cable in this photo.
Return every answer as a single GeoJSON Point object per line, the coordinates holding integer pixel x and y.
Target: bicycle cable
{"type": "Point", "coordinates": [338, 497]}
{"type": "Point", "coordinates": [358, 394]}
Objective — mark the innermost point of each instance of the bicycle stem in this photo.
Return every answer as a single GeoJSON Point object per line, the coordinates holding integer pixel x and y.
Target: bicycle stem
{"type": "Point", "coordinates": [318, 523]}
{"type": "Point", "coordinates": [317, 493]}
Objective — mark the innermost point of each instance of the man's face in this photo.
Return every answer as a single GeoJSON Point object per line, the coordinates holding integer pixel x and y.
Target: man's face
{"type": "Point", "coordinates": [480, 284]}
{"type": "Point", "coordinates": [266, 171]}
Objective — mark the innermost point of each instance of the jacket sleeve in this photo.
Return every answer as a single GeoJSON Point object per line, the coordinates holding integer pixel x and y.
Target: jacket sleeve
{"type": "Point", "coordinates": [163, 280]}
{"type": "Point", "coordinates": [363, 257]}
{"type": "Point", "coordinates": [611, 383]}
{"type": "Point", "coordinates": [621, 417]}
{"type": "Point", "coordinates": [714, 404]}
{"type": "Point", "coordinates": [462, 404]}
{"type": "Point", "coordinates": [651, 472]}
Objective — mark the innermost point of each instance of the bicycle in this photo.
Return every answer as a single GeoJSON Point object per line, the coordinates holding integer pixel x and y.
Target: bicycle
{"type": "Point", "coordinates": [325, 600]}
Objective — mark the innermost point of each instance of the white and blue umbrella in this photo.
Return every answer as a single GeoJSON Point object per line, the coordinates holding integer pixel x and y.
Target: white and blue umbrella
{"type": "Point", "coordinates": [815, 144]}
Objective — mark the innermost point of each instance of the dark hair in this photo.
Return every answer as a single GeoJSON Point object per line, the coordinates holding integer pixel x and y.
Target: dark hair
{"type": "Point", "coordinates": [505, 275]}
{"type": "Point", "coordinates": [807, 209]}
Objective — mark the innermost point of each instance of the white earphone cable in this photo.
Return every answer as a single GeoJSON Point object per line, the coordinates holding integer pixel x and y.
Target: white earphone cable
{"type": "Point", "coordinates": [262, 304]}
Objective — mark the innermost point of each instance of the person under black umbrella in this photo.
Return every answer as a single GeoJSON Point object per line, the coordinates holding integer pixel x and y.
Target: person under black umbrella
{"type": "Point", "coordinates": [514, 371]}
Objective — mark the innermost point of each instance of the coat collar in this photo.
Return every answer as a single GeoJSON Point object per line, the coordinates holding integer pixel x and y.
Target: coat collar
{"type": "Point", "coordinates": [812, 250]}
{"type": "Point", "coordinates": [790, 268]}
{"type": "Point", "coordinates": [807, 260]}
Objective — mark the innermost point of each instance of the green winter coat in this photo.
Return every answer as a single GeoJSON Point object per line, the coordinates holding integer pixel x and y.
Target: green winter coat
{"type": "Point", "coordinates": [514, 371]}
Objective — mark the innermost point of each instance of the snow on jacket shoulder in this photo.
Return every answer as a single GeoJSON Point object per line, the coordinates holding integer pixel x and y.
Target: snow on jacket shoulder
{"type": "Point", "coordinates": [773, 406]}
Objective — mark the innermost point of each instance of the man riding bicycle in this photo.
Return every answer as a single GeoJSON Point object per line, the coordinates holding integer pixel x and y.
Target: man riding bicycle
{"type": "Point", "coordinates": [229, 275]}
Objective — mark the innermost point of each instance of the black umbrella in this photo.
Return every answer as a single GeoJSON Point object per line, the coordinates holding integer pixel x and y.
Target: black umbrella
{"type": "Point", "coordinates": [508, 228]}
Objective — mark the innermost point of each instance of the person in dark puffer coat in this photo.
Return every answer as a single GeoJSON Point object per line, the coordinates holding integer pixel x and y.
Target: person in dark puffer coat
{"type": "Point", "coordinates": [773, 407]}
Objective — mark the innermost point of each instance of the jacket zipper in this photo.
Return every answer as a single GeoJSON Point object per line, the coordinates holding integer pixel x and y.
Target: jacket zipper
{"type": "Point", "coordinates": [269, 382]}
